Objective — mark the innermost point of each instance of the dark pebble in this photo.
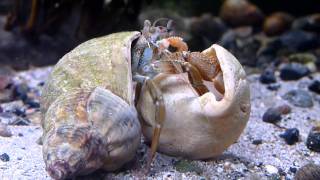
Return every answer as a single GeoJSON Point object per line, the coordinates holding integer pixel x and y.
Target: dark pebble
{"type": "Point", "coordinates": [257, 141]}
{"type": "Point", "coordinates": [20, 134]}
{"type": "Point", "coordinates": [4, 157]}
{"type": "Point", "coordinates": [272, 115]}
{"type": "Point", "coordinates": [293, 71]}
{"type": "Point", "coordinates": [299, 98]}
{"type": "Point", "coordinates": [299, 40]}
{"type": "Point", "coordinates": [291, 136]}
{"type": "Point", "coordinates": [19, 112]}
{"type": "Point", "coordinates": [293, 169]}
{"type": "Point", "coordinates": [41, 83]}
{"type": "Point", "coordinates": [32, 103]}
{"type": "Point", "coordinates": [308, 23]}
{"type": "Point", "coordinates": [315, 86]}
{"type": "Point", "coordinates": [273, 87]}
{"type": "Point", "coordinates": [20, 91]}
{"type": "Point", "coordinates": [313, 140]}
{"type": "Point", "coordinates": [268, 76]}
{"type": "Point", "coordinates": [308, 172]}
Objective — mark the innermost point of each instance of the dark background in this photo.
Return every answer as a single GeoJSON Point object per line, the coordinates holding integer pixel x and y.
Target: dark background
{"type": "Point", "coordinates": [62, 24]}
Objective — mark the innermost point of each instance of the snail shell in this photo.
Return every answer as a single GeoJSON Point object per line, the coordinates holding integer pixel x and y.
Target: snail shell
{"type": "Point", "coordinates": [199, 127]}
{"type": "Point", "coordinates": [89, 119]}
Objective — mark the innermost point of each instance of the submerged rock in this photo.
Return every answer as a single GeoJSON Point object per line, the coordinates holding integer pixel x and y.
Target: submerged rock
{"type": "Point", "coordinates": [299, 41]}
{"type": "Point", "coordinates": [267, 76]}
{"type": "Point", "coordinates": [291, 136]}
{"type": "Point", "coordinates": [277, 23]}
{"type": "Point", "coordinates": [206, 30]}
{"type": "Point", "coordinates": [315, 86]}
{"type": "Point", "coordinates": [272, 115]}
{"type": "Point", "coordinates": [313, 140]}
{"type": "Point", "coordinates": [240, 12]}
{"type": "Point", "coordinates": [4, 157]}
{"type": "Point", "coordinates": [308, 172]}
{"type": "Point", "coordinates": [293, 71]}
{"type": "Point", "coordinates": [299, 98]}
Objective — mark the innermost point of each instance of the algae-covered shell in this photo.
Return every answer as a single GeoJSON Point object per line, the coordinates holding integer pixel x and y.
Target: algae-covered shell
{"type": "Point", "coordinates": [199, 127]}
{"type": "Point", "coordinates": [89, 120]}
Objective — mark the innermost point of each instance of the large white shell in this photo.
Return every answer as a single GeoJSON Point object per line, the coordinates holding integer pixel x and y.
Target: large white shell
{"type": "Point", "coordinates": [199, 127]}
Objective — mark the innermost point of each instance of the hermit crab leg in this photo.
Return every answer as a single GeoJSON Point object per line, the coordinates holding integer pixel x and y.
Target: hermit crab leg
{"type": "Point", "coordinates": [158, 100]}
{"type": "Point", "coordinates": [194, 75]}
{"type": "Point", "coordinates": [33, 15]}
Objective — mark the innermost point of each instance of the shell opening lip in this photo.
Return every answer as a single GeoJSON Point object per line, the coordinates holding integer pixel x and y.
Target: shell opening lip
{"type": "Point", "coordinates": [216, 85]}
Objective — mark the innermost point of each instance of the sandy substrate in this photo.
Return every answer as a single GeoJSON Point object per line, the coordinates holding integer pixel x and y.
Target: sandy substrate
{"type": "Point", "coordinates": [243, 160]}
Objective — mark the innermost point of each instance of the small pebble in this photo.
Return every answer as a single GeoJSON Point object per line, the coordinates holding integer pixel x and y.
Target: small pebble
{"type": "Point", "coordinates": [299, 98]}
{"type": "Point", "coordinates": [4, 130]}
{"type": "Point", "coordinates": [272, 115]}
{"type": "Point", "coordinates": [267, 76]}
{"type": "Point", "coordinates": [271, 169]}
{"type": "Point", "coordinates": [293, 169]}
{"type": "Point", "coordinates": [313, 140]}
{"type": "Point", "coordinates": [257, 141]}
{"type": "Point", "coordinates": [315, 86]}
{"type": "Point", "coordinates": [277, 23]}
{"type": "Point", "coordinates": [273, 87]}
{"type": "Point", "coordinates": [4, 157]}
{"type": "Point", "coordinates": [308, 172]}
{"type": "Point", "coordinates": [41, 83]}
{"type": "Point", "coordinates": [19, 112]}
{"type": "Point", "coordinates": [20, 134]}
{"type": "Point", "coordinates": [284, 109]}
{"type": "Point", "coordinates": [291, 136]}
{"type": "Point", "coordinates": [299, 40]}
{"type": "Point", "coordinates": [32, 103]}
{"type": "Point", "coordinates": [293, 71]}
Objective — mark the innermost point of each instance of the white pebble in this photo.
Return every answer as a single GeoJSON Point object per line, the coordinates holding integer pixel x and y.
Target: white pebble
{"type": "Point", "coordinates": [271, 169]}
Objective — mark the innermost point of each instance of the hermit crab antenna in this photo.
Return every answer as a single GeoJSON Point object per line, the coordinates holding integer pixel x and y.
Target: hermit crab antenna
{"type": "Point", "coordinates": [160, 19]}
{"type": "Point", "coordinates": [169, 25]}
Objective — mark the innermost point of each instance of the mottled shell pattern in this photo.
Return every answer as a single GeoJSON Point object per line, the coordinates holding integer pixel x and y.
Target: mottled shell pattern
{"type": "Point", "coordinates": [89, 118]}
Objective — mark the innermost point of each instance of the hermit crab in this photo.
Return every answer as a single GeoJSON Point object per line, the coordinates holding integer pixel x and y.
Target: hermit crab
{"type": "Point", "coordinates": [105, 92]}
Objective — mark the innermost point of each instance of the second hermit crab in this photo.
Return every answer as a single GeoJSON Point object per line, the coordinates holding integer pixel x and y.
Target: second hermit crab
{"type": "Point", "coordinates": [190, 104]}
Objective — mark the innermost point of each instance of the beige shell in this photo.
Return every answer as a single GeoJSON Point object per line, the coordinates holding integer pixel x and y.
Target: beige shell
{"type": "Point", "coordinates": [90, 121]}
{"type": "Point", "coordinates": [199, 127]}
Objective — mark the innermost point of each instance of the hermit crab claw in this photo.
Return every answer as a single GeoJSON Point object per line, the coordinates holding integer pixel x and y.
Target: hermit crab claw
{"type": "Point", "coordinates": [199, 126]}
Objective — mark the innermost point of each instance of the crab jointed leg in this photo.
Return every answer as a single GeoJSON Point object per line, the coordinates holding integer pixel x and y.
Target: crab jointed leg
{"type": "Point", "coordinates": [194, 75]}
{"type": "Point", "coordinates": [158, 100]}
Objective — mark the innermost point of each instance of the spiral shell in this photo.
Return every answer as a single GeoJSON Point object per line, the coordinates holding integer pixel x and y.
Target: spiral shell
{"type": "Point", "coordinates": [89, 119]}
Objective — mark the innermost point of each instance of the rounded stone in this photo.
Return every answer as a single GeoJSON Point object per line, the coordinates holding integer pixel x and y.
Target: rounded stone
{"type": "Point", "coordinates": [315, 86]}
{"type": "Point", "coordinates": [313, 140]}
{"type": "Point", "coordinates": [291, 136]}
{"type": "Point", "coordinates": [293, 71]}
{"type": "Point", "coordinates": [267, 76]}
{"type": "Point", "coordinates": [272, 115]}
{"type": "Point", "coordinates": [299, 98]}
